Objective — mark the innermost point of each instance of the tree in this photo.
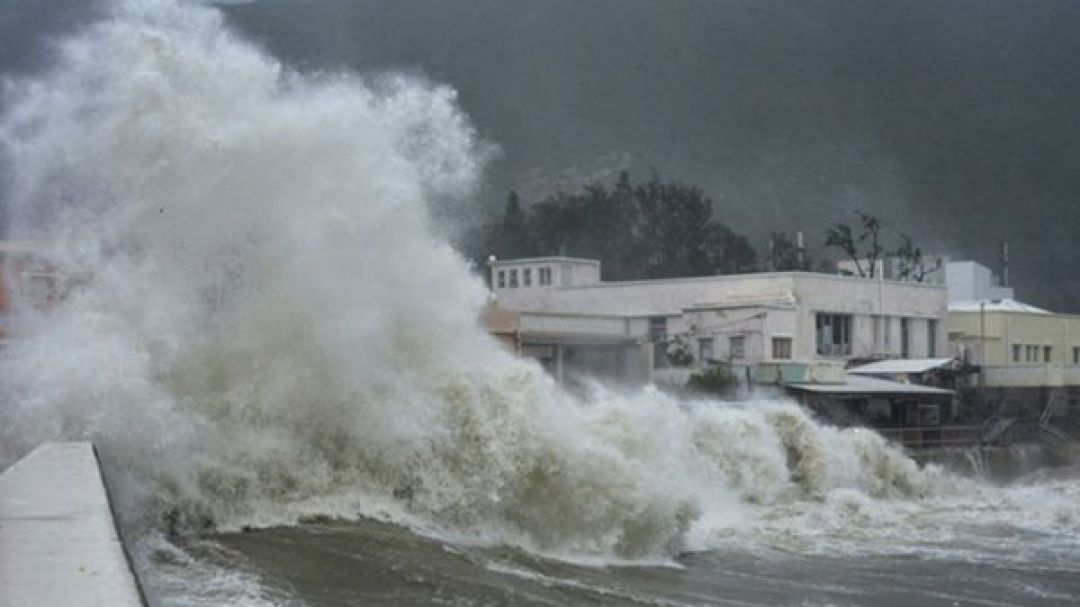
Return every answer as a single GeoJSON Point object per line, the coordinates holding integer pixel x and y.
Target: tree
{"type": "Point", "coordinates": [911, 263]}
{"type": "Point", "coordinates": [512, 236]}
{"type": "Point", "coordinates": [786, 256]}
{"type": "Point", "coordinates": [728, 252]}
{"type": "Point", "coordinates": [675, 227]}
{"type": "Point", "coordinates": [655, 229]}
{"type": "Point", "coordinates": [714, 380]}
{"type": "Point", "coordinates": [842, 237]}
{"type": "Point", "coordinates": [908, 257]}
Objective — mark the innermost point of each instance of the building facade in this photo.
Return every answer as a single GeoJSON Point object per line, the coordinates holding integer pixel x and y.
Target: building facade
{"type": "Point", "coordinates": [740, 319]}
{"type": "Point", "coordinates": [1016, 345]}
{"type": "Point", "coordinates": [972, 281]}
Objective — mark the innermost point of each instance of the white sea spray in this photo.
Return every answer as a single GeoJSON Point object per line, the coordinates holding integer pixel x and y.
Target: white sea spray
{"type": "Point", "coordinates": [267, 329]}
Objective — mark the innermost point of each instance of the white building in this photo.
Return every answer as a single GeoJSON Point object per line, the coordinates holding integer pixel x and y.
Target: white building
{"type": "Point", "coordinates": [972, 281]}
{"type": "Point", "coordinates": [743, 319]}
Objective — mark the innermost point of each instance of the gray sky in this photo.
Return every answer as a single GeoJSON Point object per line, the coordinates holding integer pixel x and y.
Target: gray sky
{"type": "Point", "coordinates": [954, 121]}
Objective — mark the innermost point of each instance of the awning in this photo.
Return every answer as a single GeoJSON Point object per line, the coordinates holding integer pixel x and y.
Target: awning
{"type": "Point", "coordinates": [899, 366]}
{"type": "Point", "coordinates": [857, 384]}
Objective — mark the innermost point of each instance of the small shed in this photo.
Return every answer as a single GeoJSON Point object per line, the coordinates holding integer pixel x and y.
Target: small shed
{"type": "Point", "coordinates": [861, 400]}
{"type": "Point", "coordinates": [936, 372]}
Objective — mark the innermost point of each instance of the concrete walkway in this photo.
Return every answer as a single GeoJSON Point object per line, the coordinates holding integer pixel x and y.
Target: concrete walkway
{"type": "Point", "coordinates": [58, 540]}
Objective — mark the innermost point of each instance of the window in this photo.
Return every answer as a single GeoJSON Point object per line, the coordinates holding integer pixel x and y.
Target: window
{"type": "Point", "coordinates": [905, 337]}
{"type": "Point", "coordinates": [1016, 353]}
{"type": "Point", "coordinates": [658, 328]}
{"type": "Point", "coordinates": [881, 335]}
{"type": "Point", "coordinates": [502, 279]}
{"type": "Point", "coordinates": [1076, 355]}
{"type": "Point", "coordinates": [781, 348]}
{"type": "Point", "coordinates": [1047, 351]}
{"type": "Point", "coordinates": [658, 336]}
{"type": "Point", "coordinates": [513, 279]}
{"type": "Point", "coordinates": [705, 350]}
{"type": "Point", "coordinates": [737, 347]}
{"type": "Point", "coordinates": [543, 277]}
{"type": "Point", "coordinates": [1031, 354]}
{"type": "Point", "coordinates": [526, 277]}
{"type": "Point", "coordinates": [833, 334]}
{"type": "Point", "coordinates": [931, 338]}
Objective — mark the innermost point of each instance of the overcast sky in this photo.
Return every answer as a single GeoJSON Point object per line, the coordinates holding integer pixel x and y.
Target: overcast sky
{"type": "Point", "coordinates": [955, 121]}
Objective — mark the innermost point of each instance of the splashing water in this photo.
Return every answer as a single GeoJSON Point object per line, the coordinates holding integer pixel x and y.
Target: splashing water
{"type": "Point", "coordinates": [271, 331]}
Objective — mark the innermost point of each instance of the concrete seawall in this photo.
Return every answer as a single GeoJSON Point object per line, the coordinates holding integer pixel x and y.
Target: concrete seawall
{"type": "Point", "coordinates": [58, 540]}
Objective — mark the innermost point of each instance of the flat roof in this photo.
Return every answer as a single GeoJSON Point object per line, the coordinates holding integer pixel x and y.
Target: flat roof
{"type": "Point", "coordinates": [552, 259]}
{"type": "Point", "coordinates": [752, 275]}
{"type": "Point", "coordinates": [707, 277]}
{"type": "Point", "coordinates": [857, 384]}
{"type": "Point", "coordinates": [995, 305]}
{"type": "Point", "coordinates": [900, 365]}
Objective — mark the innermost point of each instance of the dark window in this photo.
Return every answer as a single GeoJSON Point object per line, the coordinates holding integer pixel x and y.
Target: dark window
{"type": "Point", "coordinates": [736, 347]}
{"type": "Point", "coordinates": [513, 279]}
{"type": "Point", "coordinates": [905, 337]}
{"type": "Point", "coordinates": [526, 277]}
{"type": "Point", "coordinates": [705, 350]}
{"type": "Point", "coordinates": [833, 334]}
{"type": "Point", "coordinates": [502, 279]}
{"type": "Point", "coordinates": [931, 338]}
{"type": "Point", "coordinates": [658, 328]}
{"type": "Point", "coordinates": [781, 348]}
{"type": "Point", "coordinates": [658, 335]}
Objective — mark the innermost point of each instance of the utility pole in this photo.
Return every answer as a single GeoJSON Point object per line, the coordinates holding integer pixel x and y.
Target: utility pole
{"type": "Point", "coordinates": [982, 353]}
{"type": "Point", "coordinates": [1004, 263]}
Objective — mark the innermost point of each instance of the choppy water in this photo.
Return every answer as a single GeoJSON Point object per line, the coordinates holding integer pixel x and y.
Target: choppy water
{"type": "Point", "coordinates": [268, 330]}
{"type": "Point", "coordinates": [373, 563]}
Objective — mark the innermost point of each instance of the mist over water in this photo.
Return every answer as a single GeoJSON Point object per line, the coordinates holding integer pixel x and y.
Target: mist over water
{"type": "Point", "coordinates": [265, 329]}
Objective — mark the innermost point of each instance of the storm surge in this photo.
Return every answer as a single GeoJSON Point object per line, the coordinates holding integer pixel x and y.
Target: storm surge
{"type": "Point", "coordinates": [260, 325]}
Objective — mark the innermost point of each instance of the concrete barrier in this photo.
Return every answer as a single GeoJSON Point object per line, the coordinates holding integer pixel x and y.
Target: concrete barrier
{"type": "Point", "coordinates": [58, 541]}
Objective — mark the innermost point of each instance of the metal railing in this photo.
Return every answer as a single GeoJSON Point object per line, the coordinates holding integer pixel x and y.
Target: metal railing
{"type": "Point", "coordinates": [931, 437]}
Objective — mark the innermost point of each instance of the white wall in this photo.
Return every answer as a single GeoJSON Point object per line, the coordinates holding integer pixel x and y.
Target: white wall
{"type": "Point", "coordinates": [971, 281]}
{"type": "Point", "coordinates": [788, 304]}
{"type": "Point", "coordinates": [650, 297]}
{"type": "Point", "coordinates": [565, 271]}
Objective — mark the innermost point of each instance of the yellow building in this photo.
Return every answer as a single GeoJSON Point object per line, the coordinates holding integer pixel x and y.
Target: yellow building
{"type": "Point", "coordinates": [1016, 345]}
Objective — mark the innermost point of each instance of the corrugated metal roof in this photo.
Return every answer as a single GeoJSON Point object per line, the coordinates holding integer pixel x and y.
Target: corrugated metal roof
{"type": "Point", "coordinates": [900, 365]}
{"type": "Point", "coordinates": [857, 384]}
{"type": "Point", "coordinates": [994, 305]}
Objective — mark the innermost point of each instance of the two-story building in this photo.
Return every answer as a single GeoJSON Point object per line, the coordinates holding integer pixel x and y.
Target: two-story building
{"type": "Point", "coordinates": [1028, 358]}
{"type": "Point", "coordinates": [742, 319]}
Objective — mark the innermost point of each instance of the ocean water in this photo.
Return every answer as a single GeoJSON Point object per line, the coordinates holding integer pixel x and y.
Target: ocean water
{"type": "Point", "coordinates": [278, 356]}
